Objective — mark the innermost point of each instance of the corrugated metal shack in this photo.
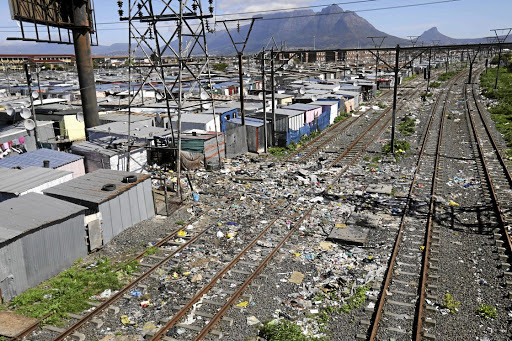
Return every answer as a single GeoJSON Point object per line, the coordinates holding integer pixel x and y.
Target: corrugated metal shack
{"type": "Point", "coordinates": [17, 182]}
{"type": "Point", "coordinates": [57, 160]}
{"type": "Point", "coordinates": [204, 143]}
{"type": "Point", "coordinates": [140, 132]}
{"type": "Point", "coordinates": [329, 109]}
{"type": "Point", "coordinates": [255, 132]}
{"type": "Point", "coordinates": [126, 203]}
{"type": "Point", "coordinates": [110, 153]}
{"type": "Point", "coordinates": [39, 237]}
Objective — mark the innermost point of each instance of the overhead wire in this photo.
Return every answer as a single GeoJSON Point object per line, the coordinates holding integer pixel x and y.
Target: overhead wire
{"type": "Point", "coordinates": [287, 9]}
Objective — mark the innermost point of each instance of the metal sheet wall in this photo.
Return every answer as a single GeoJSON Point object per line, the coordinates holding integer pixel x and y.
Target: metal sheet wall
{"type": "Point", "coordinates": [13, 278]}
{"type": "Point", "coordinates": [49, 250]}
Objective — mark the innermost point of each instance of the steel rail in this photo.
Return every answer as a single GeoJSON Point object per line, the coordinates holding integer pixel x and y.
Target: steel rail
{"type": "Point", "coordinates": [418, 317]}
{"type": "Point", "coordinates": [212, 282]}
{"type": "Point", "coordinates": [248, 281]}
{"type": "Point", "coordinates": [494, 195]}
{"type": "Point", "coordinates": [389, 272]}
{"type": "Point", "coordinates": [124, 290]}
{"type": "Point", "coordinates": [323, 134]}
{"type": "Point", "coordinates": [366, 132]}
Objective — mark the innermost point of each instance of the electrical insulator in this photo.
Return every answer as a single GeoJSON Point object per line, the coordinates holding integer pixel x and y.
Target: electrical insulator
{"type": "Point", "coordinates": [140, 14]}
{"type": "Point", "coordinates": [139, 6]}
{"type": "Point", "coordinates": [210, 2]}
{"type": "Point", "coordinates": [120, 12]}
{"type": "Point", "coordinates": [211, 9]}
{"type": "Point", "coordinates": [120, 3]}
{"type": "Point", "coordinates": [238, 27]}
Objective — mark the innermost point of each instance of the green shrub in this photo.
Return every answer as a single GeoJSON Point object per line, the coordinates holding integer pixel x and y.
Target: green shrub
{"type": "Point", "coordinates": [407, 126]}
{"type": "Point", "coordinates": [487, 311]}
{"type": "Point", "coordinates": [450, 304]}
{"type": "Point", "coordinates": [399, 145]}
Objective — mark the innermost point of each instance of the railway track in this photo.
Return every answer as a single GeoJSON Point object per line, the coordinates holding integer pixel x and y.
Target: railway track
{"type": "Point", "coordinates": [398, 313]}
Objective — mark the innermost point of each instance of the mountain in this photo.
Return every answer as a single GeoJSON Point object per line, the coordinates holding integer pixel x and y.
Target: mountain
{"type": "Point", "coordinates": [332, 27]}
{"type": "Point", "coordinates": [433, 34]}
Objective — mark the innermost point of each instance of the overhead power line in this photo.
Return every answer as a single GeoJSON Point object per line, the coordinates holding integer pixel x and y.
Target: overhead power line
{"type": "Point", "coordinates": [290, 16]}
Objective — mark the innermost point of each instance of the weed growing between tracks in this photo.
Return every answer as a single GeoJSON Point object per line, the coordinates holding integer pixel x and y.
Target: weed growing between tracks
{"type": "Point", "coordinates": [284, 330]}
{"type": "Point", "coordinates": [487, 311]}
{"type": "Point", "coordinates": [450, 304]}
{"type": "Point", "coordinates": [407, 126]}
{"type": "Point", "coordinates": [501, 113]}
{"type": "Point", "coordinates": [70, 291]}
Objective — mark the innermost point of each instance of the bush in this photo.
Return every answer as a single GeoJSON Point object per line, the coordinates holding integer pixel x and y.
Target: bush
{"type": "Point", "coordinates": [487, 311]}
{"type": "Point", "coordinates": [400, 146]}
{"type": "Point", "coordinates": [407, 126]}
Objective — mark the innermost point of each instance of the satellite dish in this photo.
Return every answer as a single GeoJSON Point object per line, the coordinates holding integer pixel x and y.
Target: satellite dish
{"type": "Point", "coordinates": [206, 106]}
{"type": "Point", "coordinates": [302, 91]}
{"type": "Point", "coordinates": [158, 118]}
{"type": "Point", "coordinates": [204, 95]}
{"type": "Point", "coordinates": [29, 124]}
{"type": "Point", "coordinates": [35, 94]}
{"type": "Point", "coordinates": [25, 113]}
{"type": "Point", "coordinates": [25, 104]}
{"type": "Point", "coordinates": [314, 98]}
{"type": "Point", "coordinates": [260, 96]}
{"type": "Point", "coordinates": [8, 106]}
{"type": "Point", "coordinates": [285, 66]}
{"type": "Point", "coordinates": [159, 96]}
{"type": "Point", "coordinates": [279, 73]}
{"type": "Point", "coordinates": [186, 95]}
{"type": "Point", "coordinates": [80, 116]}
{"type": "Point", "coordinates": [10, 111]}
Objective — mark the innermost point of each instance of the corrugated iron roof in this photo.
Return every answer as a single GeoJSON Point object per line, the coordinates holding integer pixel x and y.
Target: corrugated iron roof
{"type": "Point", "coordinates": [31, 211]}
{"type": "Point", "coordinates": [300, 106]}
{"type": "Point", "coordinates": [88, 187]}
{"type": "Point", "coordinates": [36, 158]}
{"type": "Point", "coordinates": [17, 181]}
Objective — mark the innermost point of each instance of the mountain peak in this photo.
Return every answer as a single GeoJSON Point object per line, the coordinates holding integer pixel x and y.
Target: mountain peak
{"type": "Point", "coordinates": [332, 9]}
{"type": "Point", "coordinates": [432, 30]}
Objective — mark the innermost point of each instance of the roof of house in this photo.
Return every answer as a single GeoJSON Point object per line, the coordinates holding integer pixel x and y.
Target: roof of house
{"type": "Point", "coordinates": [88, 187]}
{"type": "Point", "coordinates": [17, 181]}
{"type": "Point", "coordinates": [36, 158]}
{"type": "Point", "coordinates": [31, 211]}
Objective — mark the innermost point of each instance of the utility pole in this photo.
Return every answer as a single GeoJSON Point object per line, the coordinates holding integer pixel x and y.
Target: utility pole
{"type": "Point", "coordinates": [39, 86]}
{"type": "Point", "coordinates": [240, 53]}
{"type": "Point", "coordinates": [29, 85]}
{"type": "Point", "coordinates": [377, 42]}
{"type": "Point", "coordinates": [272, 88]}
{"type": "Point", "coordinates": [395, 92]}
{"type": "Point", "coordinates": [500, 41]}
{"type": "Point", "coordinates": [428, 69]}
{"type": "Point", "coordinates": [264, 101]}
{"type": "Point", "coordinates": [82, 44]}
{"type": "Point", "coordinates": [471, 62]}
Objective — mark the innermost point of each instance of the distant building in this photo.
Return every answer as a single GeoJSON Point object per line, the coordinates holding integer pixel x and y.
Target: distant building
{"type": "Point", "coordinates": [16, 61]}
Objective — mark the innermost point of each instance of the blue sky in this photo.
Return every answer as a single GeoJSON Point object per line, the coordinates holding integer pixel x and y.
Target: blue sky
{"type": "Point", "coordinates": [460, 19]}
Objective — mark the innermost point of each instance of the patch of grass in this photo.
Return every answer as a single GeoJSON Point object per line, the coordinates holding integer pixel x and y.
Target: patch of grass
{"type": "Point", "coordinates": [410, 78]}
{"type": "Point", "coordinates": [150, 251]}
{"type": "Point", "coordinates": [284, 330]}
{"type": "Point", "coordinates": [487, 311]}
{"type": "Point", "coordinates": [180, 222]}
{"type": "Point", "coordinates": [381, 105]}
{"type": "Point", "coordinates": [376, 158]}
{"type": "Point", "coordinates": [435, 84]}
{"type": "Point", "coordinates": [407, 126]}
{"type": "Point", "coordinates": [70, 291]}
{"type": "Point", "coordinates": [501, 113]}
{"type": "Point", "coordinates": [366, 158]}
{"type": "Point", "coordinates": [446, 76]}
{"type": "Point", "coordinates": [430, 94]}
{"type": "Point", "coordinates": [356, 300]}
{"type": "Point", "coordinates": [450, 304]}
{"type": "Point", "coordinates": [400, 145]}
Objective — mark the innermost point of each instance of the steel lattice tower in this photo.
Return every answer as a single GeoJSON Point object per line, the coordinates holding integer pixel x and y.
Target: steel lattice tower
{"type": "Point", "coordinates": [171, 34]}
